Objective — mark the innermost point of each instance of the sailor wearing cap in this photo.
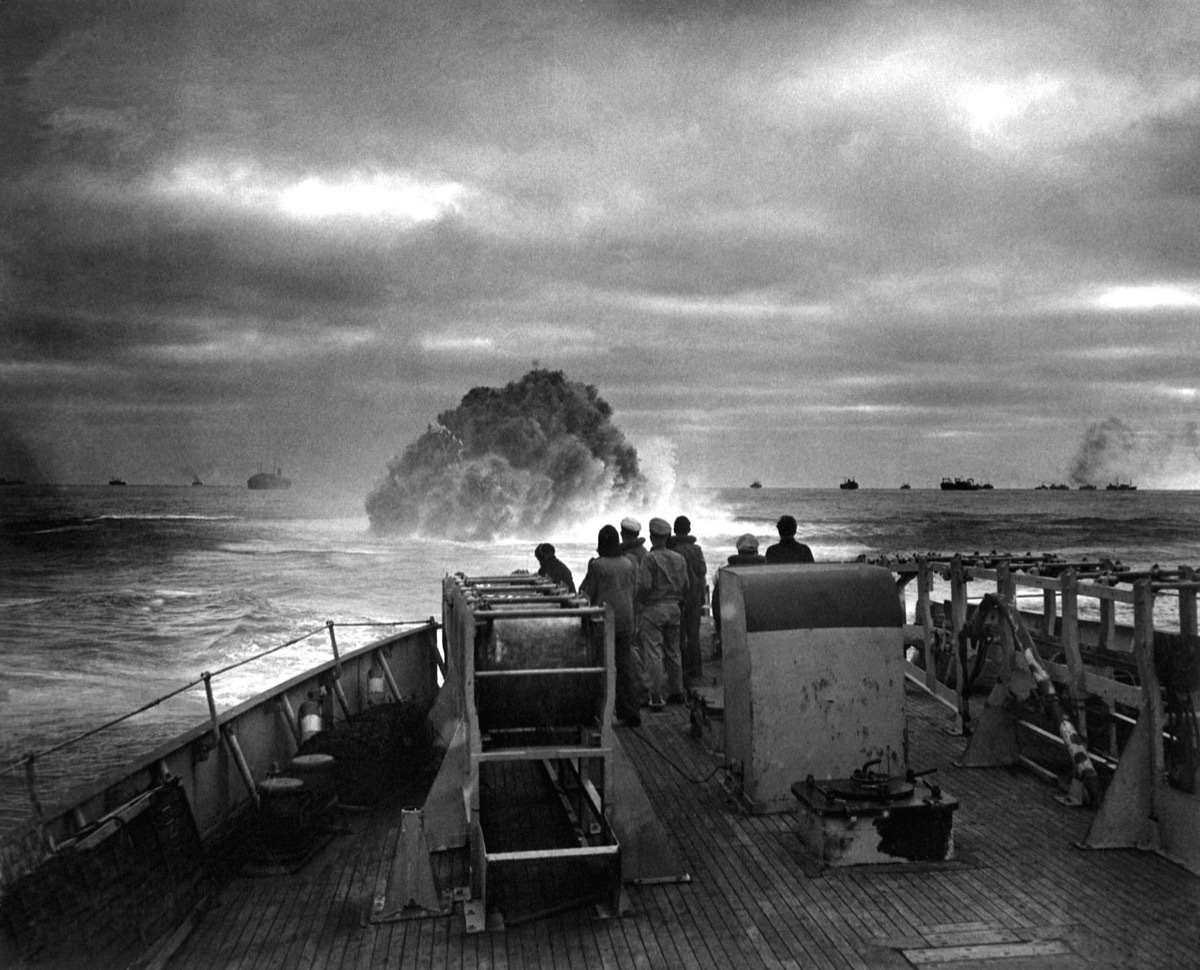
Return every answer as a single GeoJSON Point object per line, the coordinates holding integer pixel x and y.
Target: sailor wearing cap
{"type": "Point", "coordinates": [684, 543]}
{"type": "Point", "coordinates": [662, 585]}
{"type": "Point", "coordinates": [747, 555]}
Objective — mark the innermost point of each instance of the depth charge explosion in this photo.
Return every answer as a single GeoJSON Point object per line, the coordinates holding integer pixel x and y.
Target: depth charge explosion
{"type": "Point", "coordinates": [540, 451]}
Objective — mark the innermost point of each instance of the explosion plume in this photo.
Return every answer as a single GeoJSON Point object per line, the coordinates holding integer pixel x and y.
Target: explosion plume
{"type": "Point", "coordinates": [540, 451]}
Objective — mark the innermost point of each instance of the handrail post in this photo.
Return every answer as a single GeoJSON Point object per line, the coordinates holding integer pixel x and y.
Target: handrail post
{"type": "Point", "coordinates": [1049, 612]}
{"type": "Point", "coordinates": [336, 673]}
{"type": "Point", "coordinates": [231, 745]}
{"type": "Point", "coordinates": [288, 714]}
{"type": "Point", "coordinates": [31, 781]}
{"type": "Point", "coordinates": [958, 620]}
{"type": "Point", "coordinates": [387, 674]}
{"type": "Point", "coordinates": [212, 708]}
{"type": "Point", "coordinates": [925, 618]}
{"type": "Point", "coordinates": [239, 759]}
{"type": "Point", "coordinates": [1069, 636]}
{"type": "Point", "coordinates": [1006, 589]}
{"type": "Point", "coordinates": [1152, 705]}
{"type": "Point", "coordinates": [1187, 619]}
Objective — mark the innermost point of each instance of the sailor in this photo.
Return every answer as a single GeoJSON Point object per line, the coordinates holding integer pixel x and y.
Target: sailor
{"type": "Point", "coordinates": [747, 555]}
{"type": "Point", "coordinates": [633, 548]}
{"type": "Point", "coordinates": [550, 566]}
{"type": "Point", "coordinates": [684, 543]}
{"type": "Point", "coordinates": [787, 549]}
{"type": "Point", "coordinates": [633, 545]}
{"type": "Point", "coordinates": [662, 585]}
{"type": "Point", "coordinates": [612, 579]}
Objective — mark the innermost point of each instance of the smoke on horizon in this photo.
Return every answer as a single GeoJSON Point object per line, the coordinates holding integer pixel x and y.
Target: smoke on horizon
{"type": "Point", "coordinates": [537, 453]}
{"type": "Point", "coordinates": [1113, 451]}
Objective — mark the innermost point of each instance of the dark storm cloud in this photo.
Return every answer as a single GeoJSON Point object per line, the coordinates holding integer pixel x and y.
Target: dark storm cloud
{"type": "Point", "coordinates": [722, 215]}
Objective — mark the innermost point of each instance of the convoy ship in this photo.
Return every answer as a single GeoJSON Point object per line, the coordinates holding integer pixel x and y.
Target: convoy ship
{"type": "Point", "coordinates": [269, 480]}
{"type": "Point", "coordinates": [457, 794]}
{"type": "Point", "coordinates": [963, 485]}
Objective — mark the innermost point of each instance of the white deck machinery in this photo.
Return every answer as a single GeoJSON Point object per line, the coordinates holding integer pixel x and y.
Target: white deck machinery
{"type": "Point", "coordinates": [534, 780]}
{"type": "Point", "coordinates": [814, 712]}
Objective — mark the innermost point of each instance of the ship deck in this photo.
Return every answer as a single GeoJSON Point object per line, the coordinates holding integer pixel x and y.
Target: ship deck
{"type": "Point", "coordinates": [1019, 893]}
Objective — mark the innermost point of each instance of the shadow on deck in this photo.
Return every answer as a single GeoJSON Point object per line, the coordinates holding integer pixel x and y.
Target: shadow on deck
{"type": "Point", "coordinates": [1019, 893]}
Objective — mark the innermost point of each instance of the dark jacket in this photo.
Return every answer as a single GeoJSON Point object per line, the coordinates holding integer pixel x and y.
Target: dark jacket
{"type": "Point", "coordinates": [687, 547]}
{"type": "Point", "coordinates": [787, 549]}
{"type": "Point", "coordinates": [556, 570]}
{"type": "Point", "coordinates": [635, 551]}
{"type": "Point", "coordinates": [612, 581]}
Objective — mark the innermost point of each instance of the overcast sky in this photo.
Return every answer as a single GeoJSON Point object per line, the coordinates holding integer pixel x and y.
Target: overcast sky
{"type": "Point", "coordinates": [786, 241]}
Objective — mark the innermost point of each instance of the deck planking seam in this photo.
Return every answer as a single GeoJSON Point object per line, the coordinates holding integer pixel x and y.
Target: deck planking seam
{"type": "Point", "coordinates": [251, 948]}
{"type": "Point", "coordinates": [705, 877]}
{"type": "Point", "coordinates": [737, 864]}
{"type": "Point", "coordinates": [293, 920]}
{"type": "Point", "coordinates": [341, 872]}
{"type": "Point", "coordinates": [664, 799]}
{"type": "Point", "coordinates": [692, 955]}
{"type": "Point", "coordinates": [347, 909]}
{"type": "Point", "coordinates": [750, 904]}
{"type": "Point", "coordinates": [725, 887]}
{"type": "Point", "coordinates": [250, 910]}
{"type": "Point", "coordinates": [374, 881]}
{"type": "Point", "coordinates": [835, 923]}
{"type": "Point", "coordinates": [777, 929]}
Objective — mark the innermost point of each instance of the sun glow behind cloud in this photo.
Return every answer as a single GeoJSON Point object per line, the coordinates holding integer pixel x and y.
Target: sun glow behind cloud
{"type": "Point", "coordinates": [1152, 296]}
{"type": "Point", "coordinates": [353, 195]}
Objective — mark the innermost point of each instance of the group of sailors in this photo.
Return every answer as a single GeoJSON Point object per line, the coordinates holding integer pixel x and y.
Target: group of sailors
{"type": "Point", "coordinates": [657, 595]}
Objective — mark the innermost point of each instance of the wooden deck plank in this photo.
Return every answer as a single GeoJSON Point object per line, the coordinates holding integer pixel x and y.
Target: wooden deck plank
{"type": "Point", "coordinates": [778, 936]}
{"type": "Point", "coordinates": [315, 954]}
{"type": "Point", "coordinates": [289, 938]}
{"type": "Point", "coordinates": [254, 905]}
{"type": "Point", "coordinates": [750, 903]}
{"type": "Point", "coordinates": [743, 896]}
{"type": "Point", "coordinates": [734, 948]}
{"type": "Point", "coordinates": [375, 867]}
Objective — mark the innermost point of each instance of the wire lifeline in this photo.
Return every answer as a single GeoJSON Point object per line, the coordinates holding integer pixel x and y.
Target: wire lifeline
{"type": "Point", "coordinates": [35, 755]}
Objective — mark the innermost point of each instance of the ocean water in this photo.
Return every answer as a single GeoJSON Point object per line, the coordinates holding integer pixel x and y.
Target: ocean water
{"type": "Point", "coordinates": [111, 597]}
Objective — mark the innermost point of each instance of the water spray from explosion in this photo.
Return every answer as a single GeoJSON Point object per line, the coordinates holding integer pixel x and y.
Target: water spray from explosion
{"type": "Point", "coordinates": [534, 454]}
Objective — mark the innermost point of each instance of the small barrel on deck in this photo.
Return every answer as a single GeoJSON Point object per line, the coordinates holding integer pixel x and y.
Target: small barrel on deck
{"type": "Point", "coordinates": [283, 812]}
{"type": "Point", "coordinates": [317, 773]}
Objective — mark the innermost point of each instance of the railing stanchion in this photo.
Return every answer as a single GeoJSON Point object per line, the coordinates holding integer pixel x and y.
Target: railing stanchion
{"type": "Point", "coordinates": [212, 708]}
{"type": "Point", "coordinates": [925, 618]}
{"type": "Point", "coordinates": [288, 713]}
{"type": "Point", "coordinates": [336, 673]}
{"type": "Point", "coordinates": [387, 674]}
{"type": "Point", "coordinates": [239, 759]}
{"type": "Point", "coordinates": [31, 781]}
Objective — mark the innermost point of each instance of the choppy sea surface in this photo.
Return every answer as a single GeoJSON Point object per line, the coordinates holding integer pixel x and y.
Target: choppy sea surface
{"type": "Point", "coordinates": [111, 597]}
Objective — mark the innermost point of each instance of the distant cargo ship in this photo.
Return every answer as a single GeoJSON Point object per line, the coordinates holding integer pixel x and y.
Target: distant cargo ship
{"type": "Point", "coordinates": [849, 484]}
{"type": "Point", "coordinates": [269, 480]}
{"type": "Point", "coordinates": [962, 485]}
{"type": "Point", "coordinates": [756, 484]}
{"type": "Point", "coordinates": [115, 481]}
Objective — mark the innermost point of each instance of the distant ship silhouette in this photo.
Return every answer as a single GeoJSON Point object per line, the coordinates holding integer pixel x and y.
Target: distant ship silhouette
{"type": "Point", "coordinates": [269, 480]}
